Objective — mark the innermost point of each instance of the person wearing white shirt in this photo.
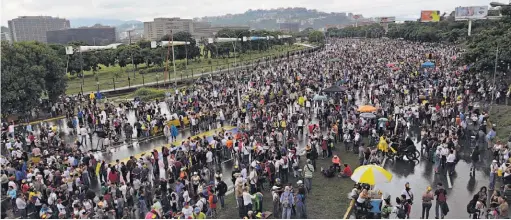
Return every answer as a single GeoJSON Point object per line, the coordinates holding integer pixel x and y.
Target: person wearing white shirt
{"type": "Point", "coordinates": [450, 160]}
{"type": "Point", "coordinates": [253, 181]}
{"type": "Point", "coordinates": [209, 158]}
{"type": "Point", "coordinates": [300, 126]}
{"type": "Point", "coordinates": [244, 173]}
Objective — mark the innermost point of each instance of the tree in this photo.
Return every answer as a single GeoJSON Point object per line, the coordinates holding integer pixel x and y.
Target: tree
{"type": "Point", "coordinates": [316, 36]}
{"type": "Point", "coordinates": [190, 51]}
{"type": "Point", "coordinates": [30, 69]}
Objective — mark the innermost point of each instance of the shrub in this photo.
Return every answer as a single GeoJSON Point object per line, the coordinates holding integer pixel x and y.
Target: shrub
{"type": "Point", "coordinates": [154, 69]}
{"type": "Point", "coordinates": [147, 94]}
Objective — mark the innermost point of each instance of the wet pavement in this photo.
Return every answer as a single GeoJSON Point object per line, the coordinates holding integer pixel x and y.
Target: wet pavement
{"type": "Point", "coordinates": [460, 186]}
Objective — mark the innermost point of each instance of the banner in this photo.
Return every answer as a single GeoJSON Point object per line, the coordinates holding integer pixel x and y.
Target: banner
{"type": "Point", "coordinates": [386, 19]}
{"type": "Point", "coordinates": [430, 16]}
{"type": "Point", "coordinates": [471, 12]}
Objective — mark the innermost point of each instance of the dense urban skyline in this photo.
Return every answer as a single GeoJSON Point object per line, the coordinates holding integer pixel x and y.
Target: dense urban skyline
{"type": "Point", "coordinates": [149, 9]}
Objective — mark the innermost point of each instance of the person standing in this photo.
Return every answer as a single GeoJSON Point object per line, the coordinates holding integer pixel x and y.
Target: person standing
{"type": "Point", "coordinates": [21, 205]}
{"type": "Point", "coordinates": [308, 173]}
{"type": "Point", "coordinates": [493, 173]}
{"type": "Point", "coordinates": [441, 201]}
{"type": "Point", "coordinates": [83, 135]}
{"type": "Point", "coordinates": [247, 201]}
{"type": "Point", "coordinates": [286, 200]}
{"type": "Point", "coordinates": [221, 189]}
{"type": "Point", "coordinates": [427, 199]}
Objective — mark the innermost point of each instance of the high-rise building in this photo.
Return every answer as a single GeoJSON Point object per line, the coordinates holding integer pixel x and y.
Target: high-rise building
{"type": "Point", "coordinates": [96, 35]}
{"type": "Point", "coordinates": [155, 30]}
{"type": "Point", "coordinates": [34, 28]}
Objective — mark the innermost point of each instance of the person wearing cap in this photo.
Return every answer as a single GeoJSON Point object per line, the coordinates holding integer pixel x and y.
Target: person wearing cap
{"type": "Point", "coordinates": [286, 200]}
{"type": "Point", "coordinates": [494, 167]}
{"type": "Point", "coordinates": [300, 208]}
{"type": "Point", "coordinates": [427, 202]}
{"type": "Point", "coordinates": [308, 171]}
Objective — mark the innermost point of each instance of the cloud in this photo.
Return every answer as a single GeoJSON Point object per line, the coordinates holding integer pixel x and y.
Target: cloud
{"type": "Point", "coordinates": [146, 10]}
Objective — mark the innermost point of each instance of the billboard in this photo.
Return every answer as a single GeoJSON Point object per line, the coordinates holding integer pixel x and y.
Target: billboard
{"type": "Point", "coordinates": [430, 16]}
{"type": "Point", "coordinates": [386, 19]}
{"type": "Point", "coordinates": [471, 13]}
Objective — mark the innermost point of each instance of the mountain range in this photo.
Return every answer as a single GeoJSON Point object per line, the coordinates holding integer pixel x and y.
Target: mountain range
{"type": "Point", "coordinates": [271, 19]}
{"type": "Point", "coordinates": [81, 22]}
{"type": "Point", "coordinates": [256, 19]}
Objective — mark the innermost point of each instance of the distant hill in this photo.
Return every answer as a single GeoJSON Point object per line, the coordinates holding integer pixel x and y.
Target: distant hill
{"type": "Point", "coordinates": [270, 19]}
{"type": "Point", "coordinates": [80, 22]}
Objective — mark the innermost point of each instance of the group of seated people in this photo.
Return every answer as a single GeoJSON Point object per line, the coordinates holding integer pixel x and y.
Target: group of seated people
{"type": "Point", "coordinates": [334, 170]}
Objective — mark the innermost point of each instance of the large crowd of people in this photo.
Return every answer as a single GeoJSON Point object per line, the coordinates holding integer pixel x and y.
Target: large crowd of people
{"type": "Point", "coordinates": [287, 114]}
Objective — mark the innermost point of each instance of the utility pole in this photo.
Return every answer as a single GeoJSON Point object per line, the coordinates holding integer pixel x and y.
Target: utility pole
{"type": "Point", "coordinates": [132, 61]}
{"type": "Point", "coordinates": [81, 69]}
{"type": "Point", "coordinates": [494, 75]}
{"type": "Point", "coordinates": [173, 58]}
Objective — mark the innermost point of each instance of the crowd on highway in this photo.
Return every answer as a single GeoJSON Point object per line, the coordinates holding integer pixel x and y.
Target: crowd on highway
{"type": "Point", "coordinates": [314, 98]}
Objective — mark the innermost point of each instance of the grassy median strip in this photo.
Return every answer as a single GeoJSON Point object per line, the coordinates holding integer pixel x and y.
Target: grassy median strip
{"type": "Point", "coordinates": [115, 77]}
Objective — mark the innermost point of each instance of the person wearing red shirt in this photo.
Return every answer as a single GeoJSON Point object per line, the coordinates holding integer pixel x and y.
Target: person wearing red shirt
{"type": "Point", "coordinates": [113, 176]}
{"type": "Point", "coordinates": [347, 171]}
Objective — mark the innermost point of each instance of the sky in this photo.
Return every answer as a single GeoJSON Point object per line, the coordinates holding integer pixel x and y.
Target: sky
{"type": "Point", "coordinates": [146, 10]}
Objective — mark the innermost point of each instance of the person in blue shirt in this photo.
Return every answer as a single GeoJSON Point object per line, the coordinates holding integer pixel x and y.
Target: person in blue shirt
{"type": "Point", "coordinates": [12, 195]}
{"type": "Point", "coordinates": [286, 200]}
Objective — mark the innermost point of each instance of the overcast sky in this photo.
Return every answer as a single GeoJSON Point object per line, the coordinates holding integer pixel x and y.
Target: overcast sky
{"type": "Point", "coordinates": [146, 10]}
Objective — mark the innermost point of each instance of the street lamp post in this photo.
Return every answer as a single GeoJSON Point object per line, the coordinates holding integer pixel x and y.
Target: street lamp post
{"type": "Point", "coordinates": [132, 61]}
{"type": "Point", "coordinates": [494, 75]}
{"type": "Point", "coordinates": [234, 69]}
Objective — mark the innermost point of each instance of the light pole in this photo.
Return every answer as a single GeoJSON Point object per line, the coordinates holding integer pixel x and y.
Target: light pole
{"type": "Point", "coordinates": [132, 61]}
{"type": "Point", "coordinates": [235, 65]}
{"type": "Point", "coordinates": [494, 75]}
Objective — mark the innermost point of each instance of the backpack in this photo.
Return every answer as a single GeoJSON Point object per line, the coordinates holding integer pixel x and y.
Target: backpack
{"type": "Point", "coordinates": [215, 199]}
{"type": "Point", "coordinates": [441, 196]}
{"type": "Point", "coordinates": [401, 212]}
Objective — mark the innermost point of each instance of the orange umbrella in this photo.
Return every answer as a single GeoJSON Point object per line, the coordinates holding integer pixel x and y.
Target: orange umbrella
{"type": "Point", "coordinates": [366, 108]}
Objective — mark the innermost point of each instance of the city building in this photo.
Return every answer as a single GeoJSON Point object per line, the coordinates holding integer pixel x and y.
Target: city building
{"type": "Point", "coordinates": [155, 30]}
{"type": "Point", "coordinates": [96, 35]}
{"type": "Point", "coordinates": [290, 27]}
{"type": "Point", "coordinates": [5, 34]}
{"type": "Point", "coordinates": [159, 27]}
{"type": "Point", "coordinates": [34, 28]}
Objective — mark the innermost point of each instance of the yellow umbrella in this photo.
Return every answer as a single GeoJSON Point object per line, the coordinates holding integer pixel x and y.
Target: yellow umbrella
{"type": "Point", "coordinates": [367, 108]}
{"type": "Point", "coordinates": [371, 174]}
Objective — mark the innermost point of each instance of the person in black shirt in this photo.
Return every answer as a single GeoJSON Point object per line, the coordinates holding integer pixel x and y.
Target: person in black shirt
{"type": "Point", "coordinates": [221, 189]}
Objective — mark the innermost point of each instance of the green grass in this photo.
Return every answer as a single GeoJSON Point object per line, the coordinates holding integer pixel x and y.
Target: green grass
{"type": "Point", "coordinates": [108, 77]}
{"type": "Point", "coordinates": [329, 197]}
{"type": "Point", "coordinates": [500, 115]}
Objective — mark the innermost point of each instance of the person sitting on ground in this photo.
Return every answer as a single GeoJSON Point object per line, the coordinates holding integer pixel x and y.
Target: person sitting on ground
{"type": "Point", "coordinates": [346, 172]}
{"type": "Point", "coordinates": [330, 172]}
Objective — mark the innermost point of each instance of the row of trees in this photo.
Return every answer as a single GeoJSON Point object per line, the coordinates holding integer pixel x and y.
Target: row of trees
{"type": "Point", "coordinates": [227, 48]}
{"type": "Point", "coordinates": [480, 47]}
{"type": "Point", "coordinates": [32, 70]}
